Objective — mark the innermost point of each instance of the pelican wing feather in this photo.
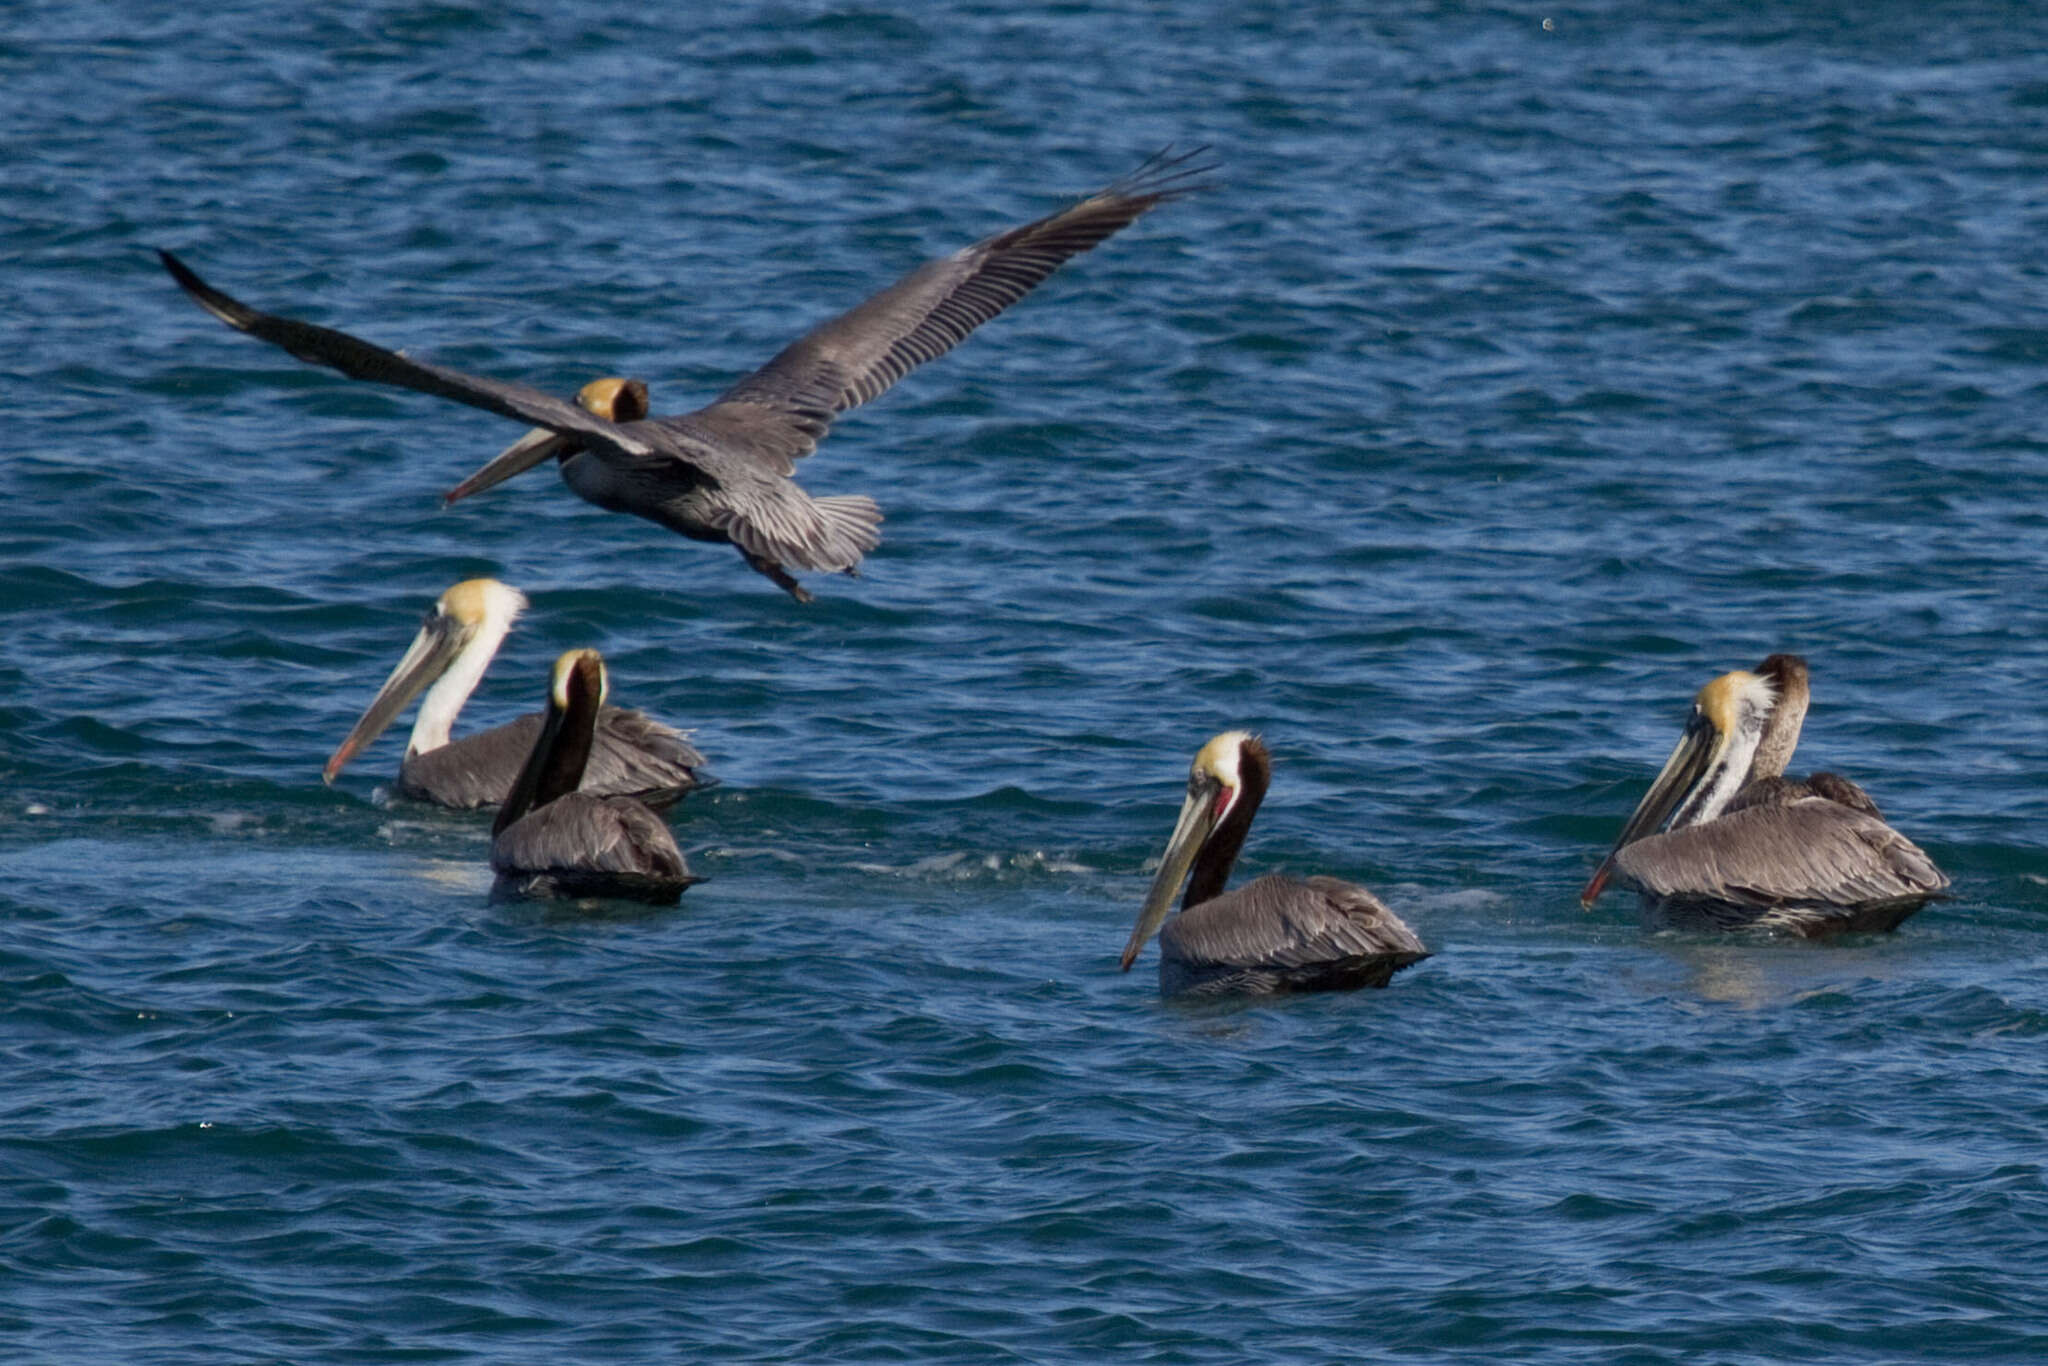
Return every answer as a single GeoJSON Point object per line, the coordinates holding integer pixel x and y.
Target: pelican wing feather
{"type": "Point", "coordinates": [1279, 921]}
{"type": "Point", "coordinates": [1806, 851]}
{"type": "Point", "coordinates": [634, 755]}
{"type": "Point", "coordinates": [359, 359]}
{"type": "Point", "coordinates": [581, 834]}
{"type": "Point", "coordinates": [786, 407]}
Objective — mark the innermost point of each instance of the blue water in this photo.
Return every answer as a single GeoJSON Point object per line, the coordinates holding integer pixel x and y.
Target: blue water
{"type": "Point", "coordinates": [1510, 384]}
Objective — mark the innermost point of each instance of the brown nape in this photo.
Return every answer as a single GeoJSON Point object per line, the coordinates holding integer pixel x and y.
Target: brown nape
{"type": "Point", "coordinates": [614, 399]}
{"type": "Point", "coordinates": [630, 404]}
{"type": "Point", "coordinates": [562, 750]}
{"type": "Point", "coordinates": [1784, 669]}
{"type": "Point", "coordinates": [1790, 691]}
{"type": "Point", "coordinates": [564, 771]}
{"type": "Point", "coordinates": [1219, 854]}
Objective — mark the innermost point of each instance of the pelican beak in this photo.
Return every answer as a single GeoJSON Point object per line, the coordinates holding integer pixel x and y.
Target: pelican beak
{"type": "Point", "coordinates": [1198, 818]}
{"type": "Point", "coordinates": [522, 455]}
{"type": "Point", "coordinates": [426, 659]}
{"type": "Point", "coordinates": [1690, 761]}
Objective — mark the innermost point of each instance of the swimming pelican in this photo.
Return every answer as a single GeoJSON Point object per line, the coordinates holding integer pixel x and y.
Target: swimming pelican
{"type": "Point", "coordinates": [1276, 933]}
{"type": "Point", "coordinates": [552, 839]}
{"type": "Point", "coordinates": [1748, 848]}
{"type": "Point", "coordinates": [722, 473]}
{"type": "Point", "coordinates": [634, 755]}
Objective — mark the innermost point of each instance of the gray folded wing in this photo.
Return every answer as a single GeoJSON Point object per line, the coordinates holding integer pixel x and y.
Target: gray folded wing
{"type": "Point", "coordinates": [636, 753]}
{"type": "Point", "coordinates": [1808, 851]}
{"type": "Point", "coordinates": [1285, 922]}
{"type": "Point", "coordinates": [584, 834]}
{"type": "Point", "coordinates": [1782, 791]}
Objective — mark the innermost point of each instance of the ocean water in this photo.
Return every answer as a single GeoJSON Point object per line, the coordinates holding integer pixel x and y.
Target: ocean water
{"type": "Point", "coordinates": [1510, 382]}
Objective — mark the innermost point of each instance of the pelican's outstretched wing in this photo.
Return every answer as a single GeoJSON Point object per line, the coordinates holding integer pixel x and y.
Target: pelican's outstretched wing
{"type": "Point", "coordinates": [359, 359]}
{"type": "Point", "coordinates": [781, 411]}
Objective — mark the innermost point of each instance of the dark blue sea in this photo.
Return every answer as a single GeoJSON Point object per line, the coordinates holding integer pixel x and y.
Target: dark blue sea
{"type": "Point", "coordinates": [1515, 378]}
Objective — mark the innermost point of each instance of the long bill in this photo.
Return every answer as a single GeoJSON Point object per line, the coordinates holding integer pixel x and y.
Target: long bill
{"type": "Point", "coordinates": [425, 660]}
{"type": "Point", "coordinates": [536, 446]}
{"type": "Point", "coordinates": [1688, 765]}
{"type": "Point", "coordinates": [1197, 821]}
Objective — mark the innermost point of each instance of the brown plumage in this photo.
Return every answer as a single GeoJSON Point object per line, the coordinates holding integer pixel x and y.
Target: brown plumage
{"type": "Point", "coordinates": [552, 840]}
{"type": "Point", "coordinates": [633, 754]}
{"type": "Point", "coordinates": [636, 756]}
{"type": "Point", "coordinates": [1276, 933]}
{"type": "Point", "coordinates": [1776, 854]}
{"type": "Point", "coordinates": [722, 473]}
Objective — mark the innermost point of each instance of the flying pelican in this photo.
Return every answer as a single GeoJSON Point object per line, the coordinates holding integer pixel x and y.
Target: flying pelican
{"type": "Point", "coordinates": [1276, 933]}
{"type": "Point", "coordinates": [634, 755]}
{"type": "Point", "coordinates": [1748, 848]}
{"type": "Point", "coordinates": [552, 839]}
{"type": "Point", "coordinates": [722, 473]}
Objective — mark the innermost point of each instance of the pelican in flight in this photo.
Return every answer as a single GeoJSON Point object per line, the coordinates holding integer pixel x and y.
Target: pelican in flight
{"type": "Point", "coordinates": [1276, 933]}
{"type": "Point", "coordinates": [552, 838]}
{"type": "Point", "coordinates": [1748, 848]}
{"type": "Point", "coordinates": [633, 754]}
{"type": "Point", "coordinates": [722, 473]}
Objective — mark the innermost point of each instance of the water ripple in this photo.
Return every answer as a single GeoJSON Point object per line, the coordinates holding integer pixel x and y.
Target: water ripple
{"type": "Point", "coordinates": [1512, 382]}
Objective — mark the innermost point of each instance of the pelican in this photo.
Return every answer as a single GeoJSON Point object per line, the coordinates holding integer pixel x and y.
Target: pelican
{"type": "Point", "coordinates": [1748, 848]}
{"type": "Point", "coordinates": [722, 473]}
{"type": "Point", "coordinates": [634, 754]}
{"type": "Point", "coordinates": [552, 839]}
{"type": "Point", "coordinates": [1276, 933]}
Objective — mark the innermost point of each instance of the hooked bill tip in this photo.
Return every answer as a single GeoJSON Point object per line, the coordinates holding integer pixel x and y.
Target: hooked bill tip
{"type": "Point", "coordinates": [336, 762]}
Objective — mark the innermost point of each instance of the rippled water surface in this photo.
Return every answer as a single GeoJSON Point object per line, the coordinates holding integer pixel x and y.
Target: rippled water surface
{"type": "Point", "coordinates": [1511, 382]}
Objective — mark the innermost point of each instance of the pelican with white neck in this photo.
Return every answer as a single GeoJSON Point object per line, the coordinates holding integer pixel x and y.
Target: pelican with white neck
{"type": "Point", "coordinates": [1746, 848]}
{"type": "Point", "coordinates": [634, 754]}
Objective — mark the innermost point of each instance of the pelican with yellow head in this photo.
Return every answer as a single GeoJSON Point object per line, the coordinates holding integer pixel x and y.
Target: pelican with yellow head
{"type": "Point", "coordinates": [634, 754]}
{"type": "Point", "coordinates": [1744, 848]}
{"type": "Point", "coordinates": [1276, 933]}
